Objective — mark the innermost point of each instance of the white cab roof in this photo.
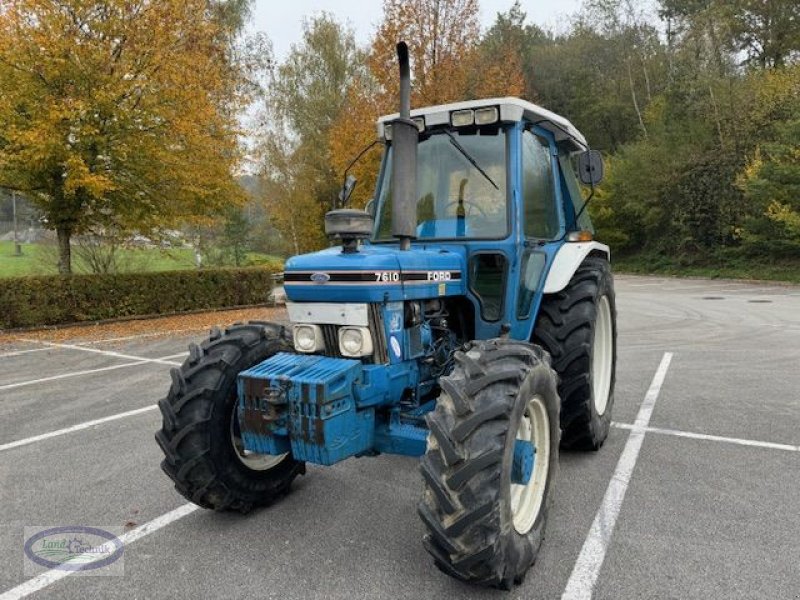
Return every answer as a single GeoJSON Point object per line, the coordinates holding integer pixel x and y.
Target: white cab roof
{"type": "Point", "coordinates": [511, 110]}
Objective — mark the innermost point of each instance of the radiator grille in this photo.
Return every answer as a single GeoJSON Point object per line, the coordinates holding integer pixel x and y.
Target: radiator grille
{"type": "Point", "coordinates": [330, 333]}
{"type": "Point", "coordinates": [380, 354]}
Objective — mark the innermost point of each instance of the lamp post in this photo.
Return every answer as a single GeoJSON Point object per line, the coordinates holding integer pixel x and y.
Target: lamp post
{"type": "Point", "coordinates": [17, 247]}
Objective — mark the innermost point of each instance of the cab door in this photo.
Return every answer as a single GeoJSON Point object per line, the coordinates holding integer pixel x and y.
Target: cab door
{"type": "Point", "coordinates": [542, 223]}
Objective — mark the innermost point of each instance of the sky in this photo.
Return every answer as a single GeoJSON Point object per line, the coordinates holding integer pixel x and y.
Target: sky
{"type": "Point", "coordinates": [282, 20]}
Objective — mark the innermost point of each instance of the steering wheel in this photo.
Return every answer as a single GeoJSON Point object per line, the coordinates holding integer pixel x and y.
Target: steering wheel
{"type": "Point", "coordinates": [469, 203]}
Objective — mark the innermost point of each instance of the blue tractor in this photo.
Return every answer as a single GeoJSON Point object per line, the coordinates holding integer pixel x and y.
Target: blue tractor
{"type": "Point", "coordinates": [466, 317]}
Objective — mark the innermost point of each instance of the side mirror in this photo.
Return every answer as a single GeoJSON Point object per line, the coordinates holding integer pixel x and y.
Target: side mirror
{"type": "Point", "coordinates": [370, 207]}
{"type": "Point", "coordinates": [347, 190]}
{"type": "Point", "coordinates": [590, 167]}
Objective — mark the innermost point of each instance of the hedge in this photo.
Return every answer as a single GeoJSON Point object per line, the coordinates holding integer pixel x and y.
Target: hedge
{"type": "Point", "coordinates": [55, 299]}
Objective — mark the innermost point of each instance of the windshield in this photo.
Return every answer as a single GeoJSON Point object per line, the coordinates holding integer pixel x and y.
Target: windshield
{"type": "Point", "coordinates": [461, 187]}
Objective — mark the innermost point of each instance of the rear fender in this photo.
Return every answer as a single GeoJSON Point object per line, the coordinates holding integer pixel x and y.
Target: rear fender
{"type": "Point", "coordinates": [567, 260]}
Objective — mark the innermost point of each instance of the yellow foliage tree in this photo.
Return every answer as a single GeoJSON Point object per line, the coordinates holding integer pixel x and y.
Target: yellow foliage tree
{"type": "Point", "coordinates": [443, 37]}
{"type": "Point", "coordinates": [306, 95]}
{"type": "Point", "coordinates": [120, 113]}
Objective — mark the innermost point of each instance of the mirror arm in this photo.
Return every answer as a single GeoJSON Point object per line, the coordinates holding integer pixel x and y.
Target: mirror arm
{"type": "Point", "coordinates": [353, 162]}
{"type": "Point", "coordinates": [585, 204]}
{"type": "Point", "coordinates": [591, 192]}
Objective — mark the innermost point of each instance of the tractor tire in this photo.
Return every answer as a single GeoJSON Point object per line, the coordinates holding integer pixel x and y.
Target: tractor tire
{"type": "Point", "coordinates": [481, 527]}
{"type": "Point", "coordinates": [200, 431]}
{"type": "Point", "coordinates": [578, 327]}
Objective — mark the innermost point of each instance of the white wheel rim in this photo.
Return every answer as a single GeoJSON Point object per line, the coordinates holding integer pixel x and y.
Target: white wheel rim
{"type": "Point", "coordinates": [251, 460]}
{"type": "Point", "coordinates": [602, 356]}
{"type": "Point", "coordinates": [526, 499]}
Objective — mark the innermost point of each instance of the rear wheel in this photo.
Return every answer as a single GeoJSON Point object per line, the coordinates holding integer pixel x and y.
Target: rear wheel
{"type": "Point", "coordinates": [490, 464]}
{"type": "Point", "coordinates": [577, 326]}
{"type": "Point", "coordinates": [200, 437]}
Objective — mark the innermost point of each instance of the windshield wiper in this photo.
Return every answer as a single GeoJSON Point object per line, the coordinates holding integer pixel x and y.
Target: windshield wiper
{"type": "Point", "coordinates": [471, 160]}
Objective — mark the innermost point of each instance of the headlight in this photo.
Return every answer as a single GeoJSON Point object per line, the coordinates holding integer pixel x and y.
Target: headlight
{"type": "Point", "coordinates": [355, 341]}
{"type": "Point", "coordinates": [462, 118]}
{"type": "Point", "coordinates": [486, 116]}
{"type": "Point", "coordinates": [308, 338]}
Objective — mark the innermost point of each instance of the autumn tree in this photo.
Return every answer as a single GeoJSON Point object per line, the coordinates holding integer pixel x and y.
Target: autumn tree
{"type": "Point", "coordinates": [439, 34]}
{"type": "Point", "coordinates": [443, 38]}
{"type": "Point", "coordinates": [119, 113]}
{"type": "Point", "coordinates": [306, 97]}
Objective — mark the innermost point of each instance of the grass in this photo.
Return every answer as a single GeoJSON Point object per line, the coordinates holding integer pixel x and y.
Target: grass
{"type": "Point", "coordinates": [40, 259]}
{"type": "Point", "coordinates": [722, 265]}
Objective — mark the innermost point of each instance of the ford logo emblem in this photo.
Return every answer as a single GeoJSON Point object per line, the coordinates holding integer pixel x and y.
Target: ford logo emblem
{"type": "Point", "coordinates": [320, 277]}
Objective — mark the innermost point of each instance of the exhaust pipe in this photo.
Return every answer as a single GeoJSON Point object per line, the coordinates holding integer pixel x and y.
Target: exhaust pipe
{"type": "Point", "coordinates": [405, 137]}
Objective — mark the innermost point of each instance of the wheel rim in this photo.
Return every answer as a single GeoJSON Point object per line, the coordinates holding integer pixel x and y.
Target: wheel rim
{"type": "Point", "coordinates": [526, 499]}
{"type": "Point", "coordinates": [251, 460]}
{"type": "Point", "coordinates": [602, 356]}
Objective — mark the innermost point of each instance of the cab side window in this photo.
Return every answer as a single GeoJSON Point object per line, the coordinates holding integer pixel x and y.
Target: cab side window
{"type": "Point", "coordinates": [569, 170]}
{"type": "Point", "coordinates": [538, 188]}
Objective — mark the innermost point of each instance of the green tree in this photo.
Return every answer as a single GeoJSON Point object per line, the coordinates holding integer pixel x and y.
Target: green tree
{"type": "Point", "coordinates": [509, 40]}
{"type": "Point", "coordinates": [771, 179]}
{"type": "Point", "coordinates": [602, 74]}
{"type": "Point", "coordinates": [769, 32]}
{"type": "Point", "coordinates": [228, 241]}
{"type": "Point", "coordinates": [306, 97]}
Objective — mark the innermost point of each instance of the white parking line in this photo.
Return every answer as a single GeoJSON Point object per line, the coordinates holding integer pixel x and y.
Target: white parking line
{"type": "Point", "coordinates": [590, 560]}
{"type": "Point", "coordinates": [20, 352]}
{"type": "Point", "coordinates": [104, 352]}
{"type": "Point", "coordinates": [74, 428]}
{"type": "Point", "coordinates": [53, 575]}
{"type": "Point", "coordinates": [141, 361]}
{"type": "Point", "coordinates": [712, 438]}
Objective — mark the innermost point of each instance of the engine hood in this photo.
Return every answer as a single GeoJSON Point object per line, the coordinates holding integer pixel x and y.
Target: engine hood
{"type": "Point", "coordinates": [374, 274]}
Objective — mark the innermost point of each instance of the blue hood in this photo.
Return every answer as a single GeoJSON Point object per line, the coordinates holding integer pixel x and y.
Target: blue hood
{"type": "Point", "coordinates": [374, 274]}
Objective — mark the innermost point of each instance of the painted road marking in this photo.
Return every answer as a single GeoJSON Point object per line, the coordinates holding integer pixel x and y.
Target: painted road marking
{"type": "Point", "coordinates": [78, 427]}
{"type": "Point", "coordinates": [712, 438]}
{"type": "Point", "coordinates": [104, 352]}
{"type": "Point", "coordinates": [19, 352]}
{"type": "Point", "coordinates": [628, 426]}
{"type": "Point", "coordinates": [162, 361]}
{"type": "Point", "coordinates": [590, 560]}
{"type": "Point", "coordinates": [52, 576]}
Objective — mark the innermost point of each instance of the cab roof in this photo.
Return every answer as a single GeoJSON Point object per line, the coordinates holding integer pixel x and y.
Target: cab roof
{"type": "Point", "coordinates": [511, 110]}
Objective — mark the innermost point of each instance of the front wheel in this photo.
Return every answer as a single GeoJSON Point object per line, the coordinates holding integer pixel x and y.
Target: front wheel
{"type": "Point", "coordinates": [491, 461]}
{"type": "Point", "coordinates": [203, 451]}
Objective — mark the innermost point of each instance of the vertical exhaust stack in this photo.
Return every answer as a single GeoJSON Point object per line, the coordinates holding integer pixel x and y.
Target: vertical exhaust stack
{"type": "Point", "coordinates": [405, 137]}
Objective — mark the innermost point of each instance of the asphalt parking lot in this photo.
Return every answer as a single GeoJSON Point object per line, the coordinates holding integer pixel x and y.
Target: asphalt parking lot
{"type": "Point", "coordinates": [696, 493]}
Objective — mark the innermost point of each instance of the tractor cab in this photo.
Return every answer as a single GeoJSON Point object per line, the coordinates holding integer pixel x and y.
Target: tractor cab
{"type": "Point", "coordinates": [478, 160]}
{"type": "Point", "coordinates": [496, 197]}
